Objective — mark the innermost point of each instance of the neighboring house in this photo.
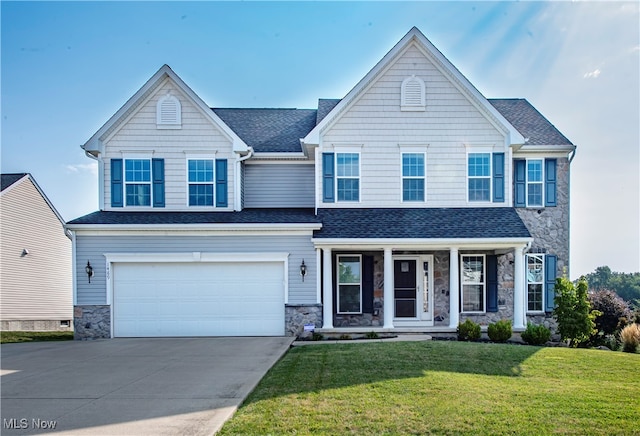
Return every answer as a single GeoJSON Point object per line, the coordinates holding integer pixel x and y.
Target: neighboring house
{"type": "Point", "coordinates": [411, 204]}
{"type": "Point", "coordinates": [35, 273]}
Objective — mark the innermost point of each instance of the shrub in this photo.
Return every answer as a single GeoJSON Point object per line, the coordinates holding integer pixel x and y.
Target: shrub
{"type": "Point", "coordinates": [468, 331]}
{"type": "Point", "coordinates": [316, 336]}
{"type": "Point", "coordinates": [573, 311]}
{"type": "Point", "coordinates": [630, 337]}
{"type": "Point", "coordinates": [615, 313]}
{"type": "Point", "coordinates": [371, 335]}
{"type": "Point", "coordinates": [536, 334]}
{"type": "Point", "coordinates": [500, 331]}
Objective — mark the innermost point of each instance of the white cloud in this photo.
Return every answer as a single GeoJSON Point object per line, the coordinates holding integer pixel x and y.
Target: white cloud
{"type": "Point", "coordinates": [77, 168]}
{"type": "Point", "coordinates": [593, 74]}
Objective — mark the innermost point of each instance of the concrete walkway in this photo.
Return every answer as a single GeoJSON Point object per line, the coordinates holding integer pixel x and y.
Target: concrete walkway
{"type": "Point", "coordinates": [165, 386]}
{"type": "Point", "coordinates": [399, 338]}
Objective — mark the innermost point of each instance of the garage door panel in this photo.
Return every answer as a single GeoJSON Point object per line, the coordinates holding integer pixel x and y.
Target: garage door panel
{"type": "Point", "coordinates": [198, 299]}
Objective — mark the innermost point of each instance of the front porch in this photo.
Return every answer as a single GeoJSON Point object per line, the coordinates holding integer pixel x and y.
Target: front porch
{"type": "Point", "coordinates": [410, 289]}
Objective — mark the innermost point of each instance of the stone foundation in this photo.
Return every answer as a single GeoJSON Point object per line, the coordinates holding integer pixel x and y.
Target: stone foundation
{"type": "Point", "coordinates": [297, 316]}
{"type": "Point", "coordinates": [36, 326]}
{"type": "Point", "coordinates": [92, 322]}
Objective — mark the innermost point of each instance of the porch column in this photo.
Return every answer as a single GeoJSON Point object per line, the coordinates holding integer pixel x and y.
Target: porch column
{"type": "Point", "coordinates": [454, 288]}
{"type": "Point", "coordinates": [388, 288]}
{"type": "Point", "coordinates": [327, 290]}
{"type": "Point", "coordinates": [518, 288]}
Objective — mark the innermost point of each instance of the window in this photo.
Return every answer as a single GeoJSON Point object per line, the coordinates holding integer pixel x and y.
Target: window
{"type": "Point", "coordinates": [479, 175]}
{"type": "Point", "coordinates": [137, 179]}
{"type": "Point", "coordinates": [412, 176]}
{"type": "Point", "coordinates": [535, 282]}
{"type": "Point", "coordinates": [534, 182]}
{"type": "Point", "coordinates": [348, 176]}
{"type": "Point", "coordinates": [412, 94]}
{"type": "Point", "coordinates": [200, 178]}
{"type": "Point", "coordinates": [473, 283]}
{"type": "Point", "coordinates": [349, 284]}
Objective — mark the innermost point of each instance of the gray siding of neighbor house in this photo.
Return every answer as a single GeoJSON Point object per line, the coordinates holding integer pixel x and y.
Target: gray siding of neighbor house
{"type": "Point", "coordinates": [279, 185]}
{"type": "Point", "coordinates": [92, 248]}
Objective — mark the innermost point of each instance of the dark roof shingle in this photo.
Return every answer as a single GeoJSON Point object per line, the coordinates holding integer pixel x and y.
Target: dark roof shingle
{"type": "Point", "coordinates": [270, 130]}
{"type": "Point", "coordinates": [529, 122]}
{"type": "Point", "coordinates": [10, 179]}
{"type": "Point", "coordinates": [246, 216]}
{"type": "Point", "coordinates": [427, 223]}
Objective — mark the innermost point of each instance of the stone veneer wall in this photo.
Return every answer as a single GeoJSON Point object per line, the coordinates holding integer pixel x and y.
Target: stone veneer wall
{"type": "Point", "coordinates": [297, 316]}
{"type": "Point", "coordinates": [92, 322]}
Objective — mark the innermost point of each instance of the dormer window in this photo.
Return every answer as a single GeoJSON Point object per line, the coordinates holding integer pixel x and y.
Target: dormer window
{"type": "Point", "coordinates": [169, 113]}
{"type": "Point", "coordinates": [412, 94]}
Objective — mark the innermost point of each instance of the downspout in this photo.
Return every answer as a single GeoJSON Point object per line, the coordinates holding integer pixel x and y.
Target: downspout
{"type": "Point", "coordinates": [239, 183]}
{"type": "Point", "coordinates": [573, 154]}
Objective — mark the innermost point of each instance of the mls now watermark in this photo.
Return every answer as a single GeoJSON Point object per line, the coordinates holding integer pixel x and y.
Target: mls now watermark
{"type": "Point", "coordinates": [24, 423]}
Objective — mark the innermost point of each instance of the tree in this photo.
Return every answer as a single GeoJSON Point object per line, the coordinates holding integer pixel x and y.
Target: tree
{"type": "Point", "coordinates": [614, 311]}
{"type": "Point", "coordinates": [573, 311]}
{"type": "Point", "coordinates": [626, 285]}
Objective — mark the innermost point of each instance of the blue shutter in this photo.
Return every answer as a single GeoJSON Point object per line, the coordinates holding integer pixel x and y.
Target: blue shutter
{"type": "Point", "coordinates": [367, 284]}
{"type": "Point", "coordinates": [328, 177]}
{"type": "Point", "coordinates": [520, 182]}
{"type": "Point", "coordinates": [221, 183]}
{"type": "Point", "coordinates": [116, 183]}
{"type": "Point", "coordinates": [492, 283]}
{"type": "Point", "coordinates": [550, 268]}
{"type": "Point", "coordinates": [157, 175]}
{"type": "Point", "coordinates": [498, 177]}
{"type": "Point", "coordinates": [550, 182]}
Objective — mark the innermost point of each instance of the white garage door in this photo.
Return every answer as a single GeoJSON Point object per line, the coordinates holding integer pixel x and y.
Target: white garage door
{"type": "Point", "coordinates": [198, 299]}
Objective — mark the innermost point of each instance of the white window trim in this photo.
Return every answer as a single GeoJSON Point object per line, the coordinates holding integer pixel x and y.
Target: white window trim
{"type": "Point", "coordinates": [490, 177]}
{"type": "Point", "coordinates": [359, 256]}
{"type": "Point", "coordinates": [527, 182]}
{"type": "Point", "coordinates": [404, 106]}
{"type": "Point", "coordinates": [163, 124]}
{"type": "Point", "coordinates": [125, 158]}
{"type": "Point", "coordinates": [359, 178]}
{"type": "Point", "coordinates": [404, 151]}
{"type": "Point", "coordinates": [203, 156]}
{"type": "Point", "coordinates": [484, 283]}
{"type": "Point", "coordinates": [527, 282]}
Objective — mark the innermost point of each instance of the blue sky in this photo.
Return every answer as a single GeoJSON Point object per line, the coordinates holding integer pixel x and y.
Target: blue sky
{"type": "Point", "coordinates": [68, 66]}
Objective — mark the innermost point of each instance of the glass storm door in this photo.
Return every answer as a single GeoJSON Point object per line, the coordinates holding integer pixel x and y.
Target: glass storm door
{"type": "Point", "coordinates": [405, 288]}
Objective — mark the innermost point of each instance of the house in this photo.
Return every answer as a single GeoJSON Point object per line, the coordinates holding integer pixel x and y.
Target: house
{"type": "Point", "coordinates": [35, 268]}
{"type": "Point", "coordinates": [410, 204]}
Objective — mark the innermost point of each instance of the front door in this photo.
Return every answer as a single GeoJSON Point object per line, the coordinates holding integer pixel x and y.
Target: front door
{"type": "Point", "coordinates": [405, 288]}
{"type": "Point", "coordinates": [413, 288]}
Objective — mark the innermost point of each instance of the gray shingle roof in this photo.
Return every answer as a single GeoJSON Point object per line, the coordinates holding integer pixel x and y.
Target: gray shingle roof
{"type": "Point", "coordinates": [246, 216]}
{"type": "Point", "coordinates": [429, 223]}
{"type": "Point", "coordinates": [270, 130]}
{"type": "Point", "coordinates": [325, 105]}
{"type": "Point", "coordinates": [10, 179]}
{"type": "Point", "coordinates": [529, 122]}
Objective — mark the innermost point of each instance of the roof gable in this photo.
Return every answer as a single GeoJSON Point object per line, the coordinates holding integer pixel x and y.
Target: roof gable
{"type": "Point", "coordinates": [10, 181]}
{"type": "Point", "coordinates": [94, 144]}
{"type": "Point", "coordinates": [416, 38]}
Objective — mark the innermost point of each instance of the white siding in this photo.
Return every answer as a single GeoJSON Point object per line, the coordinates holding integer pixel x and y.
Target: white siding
{"type": "Point", "coordinates": [92, 248]}
{"type": "Point", "coordinates": [375, 121]}
{"type": "Point", "coordinates": [36, 286]}
{"type": "Point", "coordinates": [278, 185]}
{"type": "Point", "coordinates": [140, 135]}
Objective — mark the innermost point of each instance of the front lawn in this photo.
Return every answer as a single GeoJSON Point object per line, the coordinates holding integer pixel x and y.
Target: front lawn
{"type": "Point", "coordinates": [10, 337]}
{"type": "Point", "coordinates": [441, 387]}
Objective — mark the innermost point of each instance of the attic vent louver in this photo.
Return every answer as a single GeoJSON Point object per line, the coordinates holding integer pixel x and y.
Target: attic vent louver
{"type": "Point", "coordinates": [412, 96]}
{"type": "Point", "coordinates": [168, 113]}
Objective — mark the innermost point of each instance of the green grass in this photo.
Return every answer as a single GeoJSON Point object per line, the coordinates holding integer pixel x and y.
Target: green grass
{"type": "Point", "coordinates": [440, 387]}
{"type": "Point", "coordinates": [11, 337]}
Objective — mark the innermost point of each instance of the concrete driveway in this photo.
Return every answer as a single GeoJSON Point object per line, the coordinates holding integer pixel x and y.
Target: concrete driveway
{"type": "Point", "coordinates": [165, 386]}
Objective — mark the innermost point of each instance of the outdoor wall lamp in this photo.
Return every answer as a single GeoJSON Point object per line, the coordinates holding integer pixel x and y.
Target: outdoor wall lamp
{"type": "Point", "coordinates": [89, 270]}
{"type": "Point", "coordinates": [303, 270]}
